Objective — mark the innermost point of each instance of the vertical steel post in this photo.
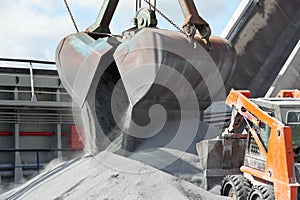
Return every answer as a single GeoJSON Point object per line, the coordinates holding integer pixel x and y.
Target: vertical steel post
{"type": "Point", "coordinates": [38, 162]}
{"type": "Point", "coordinates": [31, 82]}
{"type": "Point", "coordinates": [59, 140]}
{"type": "Point", "coordinates": [18, 168]}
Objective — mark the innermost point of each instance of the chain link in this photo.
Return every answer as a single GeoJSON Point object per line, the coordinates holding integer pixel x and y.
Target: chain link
{"type": "Point", "coordinates": [71, 15]}
{"type": "Point", "coordinates": [146, 1]}
{"type": "Point", "coordinates": [165, 17]}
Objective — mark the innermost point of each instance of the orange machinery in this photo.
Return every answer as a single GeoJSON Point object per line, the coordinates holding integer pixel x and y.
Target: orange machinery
{"type": "Point", "coordinates": [289, 94]}
{"type": "Point", "coordinates": [272, 127]}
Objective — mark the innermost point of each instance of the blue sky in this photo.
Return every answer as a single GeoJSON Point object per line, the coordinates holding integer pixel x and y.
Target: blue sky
{"type": "Point", "coordinates": [32, 28]}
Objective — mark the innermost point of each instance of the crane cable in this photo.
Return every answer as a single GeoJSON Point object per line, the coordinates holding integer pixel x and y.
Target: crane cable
{"type": "Point", "coordinates": [71, 15]}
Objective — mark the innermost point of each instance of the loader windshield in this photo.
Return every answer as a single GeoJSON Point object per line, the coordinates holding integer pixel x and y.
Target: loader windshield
{"type": "Point", "coordinates": [293, 120]}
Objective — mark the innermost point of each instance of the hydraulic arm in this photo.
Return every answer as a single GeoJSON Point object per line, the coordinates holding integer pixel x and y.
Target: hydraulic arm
{"type": "Point", "coordinates": [192, 19]}
{"type": "Point", "coordinates": [105, 15]}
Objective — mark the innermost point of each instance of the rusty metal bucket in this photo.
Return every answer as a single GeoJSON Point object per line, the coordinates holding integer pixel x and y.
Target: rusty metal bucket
{"type": "Point", "coordinates": [149, 66]}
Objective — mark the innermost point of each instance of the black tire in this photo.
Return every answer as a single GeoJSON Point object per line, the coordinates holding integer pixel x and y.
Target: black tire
{"type": "Point", "coordinates": [262, 192]}
{"type": "Point", "coordinates": [235, 186]}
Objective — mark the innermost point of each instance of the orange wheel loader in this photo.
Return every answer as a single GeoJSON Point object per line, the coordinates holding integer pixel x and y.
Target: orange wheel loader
{"type": "Point", "coordinates": [271, 126]}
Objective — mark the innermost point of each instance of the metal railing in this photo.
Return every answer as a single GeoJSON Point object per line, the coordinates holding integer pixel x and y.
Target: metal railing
{"type": "Point", "coordinates": [27, 61]}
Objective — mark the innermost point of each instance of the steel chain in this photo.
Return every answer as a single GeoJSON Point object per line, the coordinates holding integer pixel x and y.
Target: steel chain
{"type": "Point", "coordinates": [165, 17]}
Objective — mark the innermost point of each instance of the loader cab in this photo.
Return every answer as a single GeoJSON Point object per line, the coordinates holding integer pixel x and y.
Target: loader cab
{"type": "Point", "coordinates": [286, 110]}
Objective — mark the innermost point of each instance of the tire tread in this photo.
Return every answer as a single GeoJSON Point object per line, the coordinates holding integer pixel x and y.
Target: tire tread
{"type": "Point", "coordinates": [242, 186]}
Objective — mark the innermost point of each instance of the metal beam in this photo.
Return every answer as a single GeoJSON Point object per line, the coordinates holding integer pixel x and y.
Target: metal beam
{"type": "Point", "coordinates": [104, 18]}
{"type": "Point", "coordinates": [192, 18]}
{"type": "Point", "coordinates": [28, 61]}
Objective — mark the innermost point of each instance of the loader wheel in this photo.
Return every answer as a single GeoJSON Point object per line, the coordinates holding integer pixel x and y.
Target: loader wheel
{"type": "Point", "coordinates": [235, 186]}
{"type": "Point", "coordinates": [262, 192]}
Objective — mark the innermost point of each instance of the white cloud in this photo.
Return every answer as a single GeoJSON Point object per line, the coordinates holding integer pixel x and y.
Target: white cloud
{"type": "Point", "coordinates": [28, 27]}
{"type": "Point", "coordinates": [88, 4]}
